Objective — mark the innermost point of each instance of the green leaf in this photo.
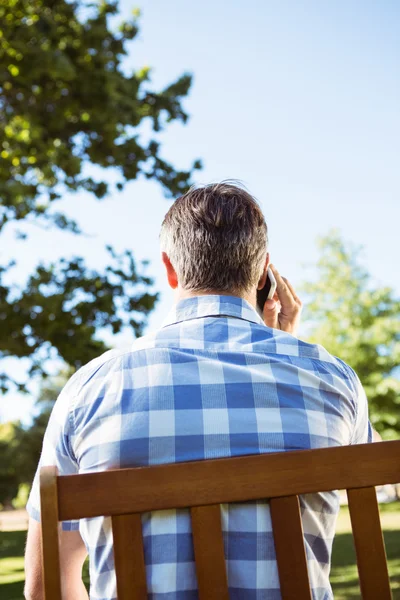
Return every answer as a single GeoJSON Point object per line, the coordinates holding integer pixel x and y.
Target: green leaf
{"type": "Point", "coordinates": [358, 322]}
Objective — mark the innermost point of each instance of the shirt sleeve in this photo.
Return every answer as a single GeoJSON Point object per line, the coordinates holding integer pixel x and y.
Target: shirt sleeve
{"type": "Point", "coordinates": [362, 433]}
{"type": "Point", "coordinates": [56, 450]}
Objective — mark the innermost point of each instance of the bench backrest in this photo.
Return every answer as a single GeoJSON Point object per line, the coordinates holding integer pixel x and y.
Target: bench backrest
{"type": "Point", "coordinates": [202, 486]}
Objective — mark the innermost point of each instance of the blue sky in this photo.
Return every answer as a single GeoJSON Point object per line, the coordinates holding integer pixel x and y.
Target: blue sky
{"type": "Point", "coordinates": [300, 101]}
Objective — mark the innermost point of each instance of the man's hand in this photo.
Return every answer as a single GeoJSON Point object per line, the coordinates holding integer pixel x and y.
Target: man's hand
{"type": "Point", "coordinates": [283, 311]}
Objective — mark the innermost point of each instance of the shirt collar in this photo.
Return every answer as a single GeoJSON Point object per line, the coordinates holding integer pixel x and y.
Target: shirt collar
{"type": "Point", "coordinates": [212, 306]}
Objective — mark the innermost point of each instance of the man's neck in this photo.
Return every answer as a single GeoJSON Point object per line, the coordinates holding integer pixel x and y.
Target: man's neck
{"type": "Point", "coordinates": [181, 294]}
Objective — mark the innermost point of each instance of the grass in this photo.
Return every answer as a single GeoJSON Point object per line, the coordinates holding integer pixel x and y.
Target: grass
{"type": "Point", "coordinates": [343, 575]}
{"type": "Point", "coordinates": [11, 564]}
{"type": "Point", "coordinates": [12, 546]}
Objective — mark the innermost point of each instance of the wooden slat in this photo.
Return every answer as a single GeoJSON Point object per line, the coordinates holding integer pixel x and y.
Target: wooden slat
{"type": "Point", "coordinates": [129, 557]}
{"type": "Point", "coordinates": [50, 527]}
{"type": "Point", "coordinates": [209, 552]}
{"type": "Point", "coordinates": [228, 480]}
{"type": "Point", "coordinates": [370, 547]}
{"type": "Point", "coordinates": [289, 548]}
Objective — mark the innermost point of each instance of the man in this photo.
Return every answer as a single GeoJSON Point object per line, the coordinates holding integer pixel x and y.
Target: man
{"type": "Point", "coordinates": [216, 380]}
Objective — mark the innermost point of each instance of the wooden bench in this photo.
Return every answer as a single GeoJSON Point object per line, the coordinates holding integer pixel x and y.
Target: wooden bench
{"type": "Point", "coordinates": [202, 486]}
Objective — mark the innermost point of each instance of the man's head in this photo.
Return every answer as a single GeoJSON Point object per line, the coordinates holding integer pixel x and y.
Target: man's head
{"type": "Point", "coordinates": [214, 239]}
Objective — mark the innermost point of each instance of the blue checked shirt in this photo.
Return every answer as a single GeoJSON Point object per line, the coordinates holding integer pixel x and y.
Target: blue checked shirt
{"type": "Point", "coordinates": [213, 382]}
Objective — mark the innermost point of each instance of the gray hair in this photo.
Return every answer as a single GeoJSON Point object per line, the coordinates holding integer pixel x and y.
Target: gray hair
{"type": "Point", "coordinates": [216, 238]}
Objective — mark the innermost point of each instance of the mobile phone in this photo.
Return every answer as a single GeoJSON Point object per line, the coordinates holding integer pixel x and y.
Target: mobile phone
{"type": "Point", "coordinates": [267, 292]}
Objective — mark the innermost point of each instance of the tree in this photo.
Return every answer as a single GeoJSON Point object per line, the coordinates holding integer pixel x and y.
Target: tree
{"type": "Point", "coordinates": [21, 445]}
{"type": "Point", "coordinates": [9, 476]}
{"type": "Point", "coordinates": [67, 105]}
{"type": "Point", "coordinates": [359, 322]}
{"type": "Point", "coordinates": [27, 441]}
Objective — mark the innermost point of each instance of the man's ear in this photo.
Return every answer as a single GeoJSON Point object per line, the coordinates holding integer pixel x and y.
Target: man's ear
{"type": "Point", "coordinates": [263, 277]}
{"type": "Point", "coordinates": [171, 273]}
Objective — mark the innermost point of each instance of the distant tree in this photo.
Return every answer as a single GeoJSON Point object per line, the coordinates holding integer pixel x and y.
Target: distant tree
{"type": "Point", "coordinates": [67, 105]}
{"type": "Point", "coordinates": [28, 440]}
{"type": "Point", "coordinates": [9, 476]}
{"type": "Point", "coordinates": [359, 322]}
{"type": "Point", "coordinates": [21, 445]}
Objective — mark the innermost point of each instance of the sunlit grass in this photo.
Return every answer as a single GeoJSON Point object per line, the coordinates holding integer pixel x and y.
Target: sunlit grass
{"type": "Point", "coordinates": [344, 575]}
{"type": "Point", "coordinates": [12, 569]}
{"type": "Point", "coordinates": [12, 577]}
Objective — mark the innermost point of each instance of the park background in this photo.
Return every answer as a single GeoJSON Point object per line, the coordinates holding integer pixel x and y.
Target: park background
{"type": "Point", "coordinates": [300, 102]}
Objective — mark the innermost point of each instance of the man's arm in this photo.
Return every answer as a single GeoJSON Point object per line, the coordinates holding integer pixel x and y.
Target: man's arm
{"type": "Point", "coordinates": [57, 451]}
{"type": "Point", "coordinates": [72, 556]}
{"type": "Point", "coordinates": [376, 437]}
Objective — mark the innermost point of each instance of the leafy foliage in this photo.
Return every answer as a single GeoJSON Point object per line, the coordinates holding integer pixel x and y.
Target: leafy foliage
{"type": "Point", "coordinates": [65, 304]}
{"type": "Point", "coordinates": [66, 104]}
{"type": "Point", "coordinates": [65, 101]}
{"type": "Point", "coordinates": [359, 322]}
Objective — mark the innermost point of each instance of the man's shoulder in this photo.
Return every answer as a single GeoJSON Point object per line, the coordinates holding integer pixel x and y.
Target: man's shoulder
{"type": "Point", "coordinates": [326, 358]}
{"type": "Point", "coordinates": [287, 344]}
{"type": "Point", "coordinates": [322, 361]}
{"type": "Point", "coordinates": [109, 362]}
{"type": "Point", "coordinates": [268, 341]}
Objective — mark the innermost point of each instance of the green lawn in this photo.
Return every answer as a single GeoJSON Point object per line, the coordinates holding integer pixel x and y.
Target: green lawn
{"type": "Point", "coordinates": [12, 545]}
{"type": "Point", "coordinates": [11, 564]}
{"type": "Point", "coordinates": [344, 571]}
{"type": "Point", "coordinates": [344, 577]}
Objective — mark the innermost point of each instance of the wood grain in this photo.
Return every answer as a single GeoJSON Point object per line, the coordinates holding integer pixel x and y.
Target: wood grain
{"type": "Point", "coordinates": [289, 547]}
{"type": "Point", "coordinates": [228, 480]}
{"type": "Point", "coordinates": [129, 557]}
{"type": "Point", "coordinates": [203, 486]}
{"type": "Point", "coordinates": [369, 544]}
{"type": "Point", "coordinates": [209, 552]}
{"type": "Point", "coordinates": [50, 526]}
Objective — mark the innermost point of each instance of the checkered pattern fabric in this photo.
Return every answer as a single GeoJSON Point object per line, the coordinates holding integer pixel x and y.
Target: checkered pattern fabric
{"type": "Point", "coordinates": [213, 382]}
